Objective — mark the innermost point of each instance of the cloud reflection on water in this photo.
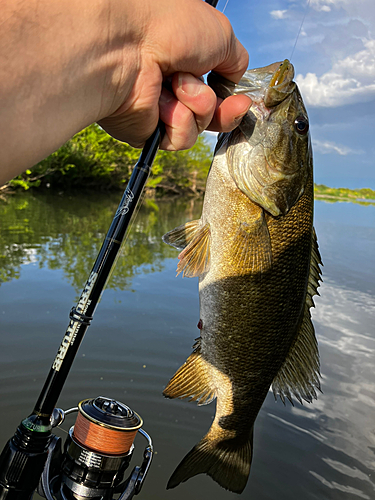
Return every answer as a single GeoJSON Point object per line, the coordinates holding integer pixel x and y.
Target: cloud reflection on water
{"type": "Point", "coordinates": [344, 321]}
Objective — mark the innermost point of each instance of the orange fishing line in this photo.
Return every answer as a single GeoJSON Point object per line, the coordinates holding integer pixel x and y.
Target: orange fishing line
{"type": "Point", "coordinates": [103, 439]}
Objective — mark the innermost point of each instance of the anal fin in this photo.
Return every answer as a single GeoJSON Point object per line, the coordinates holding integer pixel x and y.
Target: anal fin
{"type": "Point", "coordinates": [192, 380]}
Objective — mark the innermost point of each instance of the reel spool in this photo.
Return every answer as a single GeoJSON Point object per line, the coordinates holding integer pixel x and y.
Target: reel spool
{"type": "Point", "coordinates": [96, 454]}
{"type": "Point", "coordinates": [106, 426]}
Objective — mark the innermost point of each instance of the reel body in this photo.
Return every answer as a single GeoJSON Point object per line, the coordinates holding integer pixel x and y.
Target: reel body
{"type": "Point", "coordinates": [96, 454]}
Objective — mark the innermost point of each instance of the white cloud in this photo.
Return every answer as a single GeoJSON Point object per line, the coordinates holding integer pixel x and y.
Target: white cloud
{"type": "Point", "coordinates": [326, 147]}
{"type": "Point", "coordinates": [278, 14]}
{"type": "Point", "coordinates": [351, 80]}
{"type": "Point", "coordinates": [327, 5]}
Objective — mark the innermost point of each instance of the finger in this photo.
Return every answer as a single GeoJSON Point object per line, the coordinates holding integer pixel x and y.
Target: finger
{"type": "Point", "coordinates": [193, 93]}
{"type": "Point", "coordinates": [181, 129]}
{"type": "Point", "coordinates": [236, 59]}
{"type": "Point", "coordinates": [130, 128]}
{"type": "Point", "coordinates": [229, 113]}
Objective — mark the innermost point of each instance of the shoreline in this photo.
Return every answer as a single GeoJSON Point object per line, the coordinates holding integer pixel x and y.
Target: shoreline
{"type": "Point", "coordinates": [364, 196]}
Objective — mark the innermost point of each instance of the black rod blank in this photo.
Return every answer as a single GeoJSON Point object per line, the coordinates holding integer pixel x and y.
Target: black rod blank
{"type": "Point", "coordinates": [81, 315]}
{"type": "Point", "coordinates": [23, 457]}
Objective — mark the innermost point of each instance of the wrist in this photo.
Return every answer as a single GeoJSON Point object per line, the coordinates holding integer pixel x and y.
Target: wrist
{"type": "Point", "coordinates": [60, 65]}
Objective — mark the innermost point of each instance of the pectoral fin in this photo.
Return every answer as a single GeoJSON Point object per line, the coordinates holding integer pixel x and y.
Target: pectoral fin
{"type": "Point", "coordinates": [300, 372]}
{"type": "Point", "coordinates": [193, 238]}
{"type": "Point", "coordinates": [182, 235]}
{"type": "Point", "coordinates": [252, 246]}
{"type": "Point", "coordinates": [195, 258]}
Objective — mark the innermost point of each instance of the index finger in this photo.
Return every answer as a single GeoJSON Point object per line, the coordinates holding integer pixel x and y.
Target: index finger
{"type": "Point", "coordinates": [236, 59]}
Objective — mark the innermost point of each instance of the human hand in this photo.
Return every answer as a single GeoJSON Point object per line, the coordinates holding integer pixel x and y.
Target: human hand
{"type": "Point", "coordinates": [67, 64]}
{"type": "Point", "coordinates": [188, 40]}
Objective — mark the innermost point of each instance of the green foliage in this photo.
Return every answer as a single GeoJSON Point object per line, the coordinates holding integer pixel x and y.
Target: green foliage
{"type": "Point", "coordinates": [93, 159]}
{"type": "Point", "coordinates": [182, 171]}
{"type": "Point", "coordinates": [90, 159]}
{"type": "Point", "coordinates": [344, 194]}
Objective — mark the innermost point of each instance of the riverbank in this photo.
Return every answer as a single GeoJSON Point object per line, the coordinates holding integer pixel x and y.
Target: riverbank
{"type": "Point", "coordinates": [364, 196]}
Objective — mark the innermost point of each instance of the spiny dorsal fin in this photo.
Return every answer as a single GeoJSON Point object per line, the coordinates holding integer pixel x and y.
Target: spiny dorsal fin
{"type": "Point", "coordinates": [299, 375]}
{"type": "Point", "coordinates": [315, 275]}
{"type": "Point", "coordinates": [252, 246]}
{"type": "Point", "coordinates": [195, 258]}
{"type": "Point", "coordinates": [181, 236]}
{"type": "Point", "coordinates": [192, 380]}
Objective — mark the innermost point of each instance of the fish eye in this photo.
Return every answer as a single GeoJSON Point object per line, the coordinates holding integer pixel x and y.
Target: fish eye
{"type": "Point", "coordinates": [301, 124]}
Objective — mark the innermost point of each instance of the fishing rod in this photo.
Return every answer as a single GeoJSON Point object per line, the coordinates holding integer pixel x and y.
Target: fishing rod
{"type": "Point", "coordinates": [24, 456]}
{"type": "Point", "coordinates": [100, 445]}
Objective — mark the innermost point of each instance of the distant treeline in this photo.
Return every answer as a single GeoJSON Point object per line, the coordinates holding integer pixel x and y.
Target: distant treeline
{"type": "Point", "coordinates": [92, 159]}
{"type": "Point", "coordinates": [343, 194]}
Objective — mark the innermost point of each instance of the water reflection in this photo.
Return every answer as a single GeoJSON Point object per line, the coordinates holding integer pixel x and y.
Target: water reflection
{"type": "Point", "coordinates": [66, 233]}
{"type": "Point", "coordinates": [145, 326]}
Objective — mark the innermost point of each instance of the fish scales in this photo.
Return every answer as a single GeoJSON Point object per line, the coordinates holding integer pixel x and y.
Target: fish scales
{"type": "Point", "coordinates": [258, 268]}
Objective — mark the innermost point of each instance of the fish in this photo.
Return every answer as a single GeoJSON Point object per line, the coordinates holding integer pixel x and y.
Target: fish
{"type": "Point", "coordinates": [256, 254]}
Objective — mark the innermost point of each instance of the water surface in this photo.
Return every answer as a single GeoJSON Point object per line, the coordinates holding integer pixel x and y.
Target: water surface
{"type": "Point", "coordinates": [144, 328]}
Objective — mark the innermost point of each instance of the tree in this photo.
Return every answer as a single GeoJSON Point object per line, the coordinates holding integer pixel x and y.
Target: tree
{"type": "Point", "coordinates": [93, 159]}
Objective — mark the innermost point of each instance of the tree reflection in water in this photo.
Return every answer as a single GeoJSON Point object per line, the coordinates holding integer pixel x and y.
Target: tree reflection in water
{"type": "Point", "coordinates": [62, 231]}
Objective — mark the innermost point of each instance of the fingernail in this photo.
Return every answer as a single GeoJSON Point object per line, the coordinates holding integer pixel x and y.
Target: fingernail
{"type": "Point", "coordinates": [238, 118]}
{"type": "Point", "coordinates": [189, 84]}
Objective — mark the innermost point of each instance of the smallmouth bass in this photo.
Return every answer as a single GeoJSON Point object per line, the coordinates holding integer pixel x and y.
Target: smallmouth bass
{"type": "Point", "coordinates": [256, 254]}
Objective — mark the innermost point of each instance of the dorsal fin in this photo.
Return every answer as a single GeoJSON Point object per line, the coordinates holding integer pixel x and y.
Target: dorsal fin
{"type": "Point", "coordinates": [300, 372]}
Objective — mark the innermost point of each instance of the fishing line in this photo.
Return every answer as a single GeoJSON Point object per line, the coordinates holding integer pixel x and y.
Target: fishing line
{"type": "Point", "coordinates": [102, 439]}
{"type": "Point", "coordinates": [300, 29]}
{"type": "Point", "coordinates": [106, 426]}
{"type": "Point", "coordinates": [225, 6]}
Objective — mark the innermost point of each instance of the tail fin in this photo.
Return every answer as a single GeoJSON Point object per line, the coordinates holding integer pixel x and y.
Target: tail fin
{"type": "Point", "coordinates": [227, 461]}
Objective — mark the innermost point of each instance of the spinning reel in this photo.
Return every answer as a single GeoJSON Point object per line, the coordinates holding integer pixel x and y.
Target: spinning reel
{"type": "Point", "coordinates": [96, 454]}
{"type": "Point", "coordinates": [100, 445]}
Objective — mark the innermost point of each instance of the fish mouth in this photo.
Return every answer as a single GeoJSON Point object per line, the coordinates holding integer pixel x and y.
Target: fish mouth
{"type": "Point", "coordinates": [271, 84]}
{"type": "Point", "coordinates": [281, 85]}
{"type": "Point", "coordinates": [280, 74]}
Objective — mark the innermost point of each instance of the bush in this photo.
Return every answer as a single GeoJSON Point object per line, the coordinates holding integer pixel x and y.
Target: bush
{"type": "Point", "coordinates": [93, 159]}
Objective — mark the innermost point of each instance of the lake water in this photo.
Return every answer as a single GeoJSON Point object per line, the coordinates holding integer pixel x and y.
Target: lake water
{"type": "Point", "coordinates": [144, 328]}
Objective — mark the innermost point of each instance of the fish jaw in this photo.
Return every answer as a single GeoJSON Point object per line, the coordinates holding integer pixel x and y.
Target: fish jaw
{"type": "Point", "coordinates": [270, 84]}
{"type": "Point", "coordinates": [269, 155]}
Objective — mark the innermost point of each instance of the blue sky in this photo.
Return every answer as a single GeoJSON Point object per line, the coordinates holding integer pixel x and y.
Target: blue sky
{"type": "Point", "coordinates": [334, 62]}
